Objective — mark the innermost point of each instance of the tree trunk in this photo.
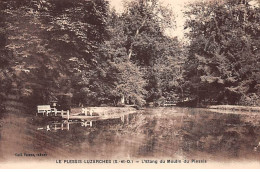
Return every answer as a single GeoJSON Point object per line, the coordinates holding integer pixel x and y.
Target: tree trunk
{"type": "Point", "coordinates": [136, 34]}
{"type": "Point", "coordinates": [182, 97]}
{"type": "Point", "coordinates": [122, 101]}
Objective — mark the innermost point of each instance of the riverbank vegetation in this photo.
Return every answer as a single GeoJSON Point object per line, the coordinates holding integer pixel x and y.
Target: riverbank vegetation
{"type": "Point", "coordinates": [85, 53]}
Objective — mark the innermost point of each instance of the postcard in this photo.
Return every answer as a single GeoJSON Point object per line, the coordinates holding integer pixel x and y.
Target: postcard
{"type": "Point", "coordinates": [126, 84]}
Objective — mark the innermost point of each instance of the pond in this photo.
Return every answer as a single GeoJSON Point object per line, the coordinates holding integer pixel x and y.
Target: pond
{"type": "Point", "coordinates": [155, 133]}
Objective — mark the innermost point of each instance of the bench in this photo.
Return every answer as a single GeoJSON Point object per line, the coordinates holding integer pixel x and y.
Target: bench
{"type": "Point", "coordinates": [44, 109]}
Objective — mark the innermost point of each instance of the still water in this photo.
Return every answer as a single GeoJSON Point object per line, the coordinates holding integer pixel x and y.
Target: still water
{"type": "Point", "coordinates": [175, 133]}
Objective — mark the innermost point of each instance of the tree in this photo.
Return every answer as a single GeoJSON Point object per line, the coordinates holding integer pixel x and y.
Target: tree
{"type": "Point", "coordinates": [223, 55]}
{"type": "Point", "coordinates": [81, 27]}
{"type": "Point", "coordinates": [148, 47]}
{"type": "Point", "coordinates": [48, 42]}
{"type": "Point", "coordinates": [144, 20]}
{"type": "Point", "coordinates": [26, 51]}
{"type": "Point", "coordinates": [124, 79]}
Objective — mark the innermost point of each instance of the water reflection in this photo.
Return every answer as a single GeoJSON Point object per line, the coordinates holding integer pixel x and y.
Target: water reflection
{"type": "Point", "coordinates": [155, 133]}
{"type": "Point", "coordinates": [55, 125]}
{"type": "Point", "coordinates": [65, 125]}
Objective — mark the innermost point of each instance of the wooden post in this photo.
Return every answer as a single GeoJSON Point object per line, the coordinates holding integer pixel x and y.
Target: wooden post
{"type": "Point", "coordinates": [127, 119]}
{"type": "Point", "coordinates": [68, 114]}
{"type": "Point", "coordinates": [90, 112]}
{"type": "Point", "coordinates": [61, 112]}
{"type": "Point", "coordinates": [61, 126]}
{"type": "Point", "coordinates": [90, 124]}
{"type": "Point", "coordinates": [123, 118]}
{"type": "Point", "coordinates": [84, 111]}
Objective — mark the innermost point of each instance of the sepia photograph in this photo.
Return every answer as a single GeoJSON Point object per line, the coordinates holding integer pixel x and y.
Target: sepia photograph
{"type": "Point", "coordinates": [127, 84]}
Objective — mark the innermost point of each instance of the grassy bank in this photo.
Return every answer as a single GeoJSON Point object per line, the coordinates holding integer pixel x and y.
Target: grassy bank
{"type": "Point", "coordinates": [104, 110]}
{"type": "Point", "coordinates": [235, 108]}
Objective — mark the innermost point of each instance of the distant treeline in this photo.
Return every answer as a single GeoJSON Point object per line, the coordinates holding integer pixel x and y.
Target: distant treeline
{"type": "Point", "coordinates": [85, 51]}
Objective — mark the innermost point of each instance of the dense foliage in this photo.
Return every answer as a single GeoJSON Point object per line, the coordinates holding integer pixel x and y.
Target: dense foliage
{"type": "Point", "coordinates": [84, 53]}
{"type": "Point", "coordinates": [223, 61]}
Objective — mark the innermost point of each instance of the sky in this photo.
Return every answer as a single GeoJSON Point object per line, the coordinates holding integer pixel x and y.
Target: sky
{"type": "Point", "coordinates": [178, 6]}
